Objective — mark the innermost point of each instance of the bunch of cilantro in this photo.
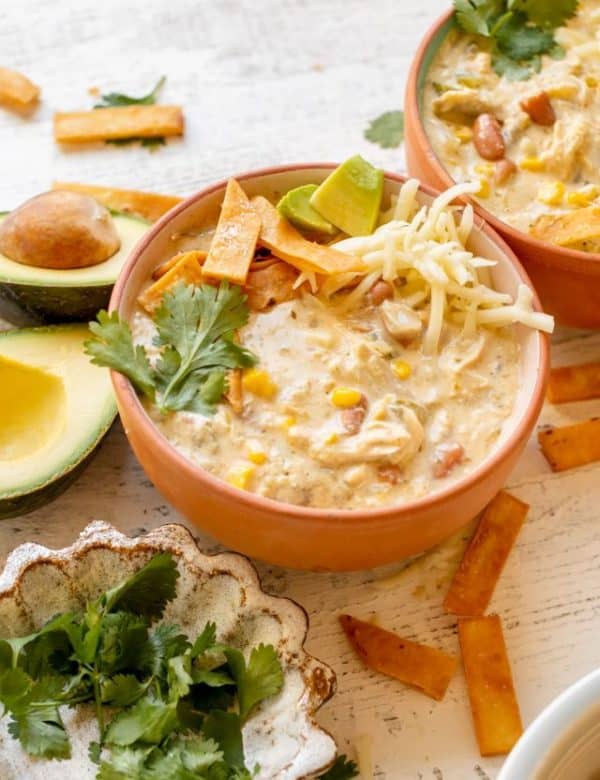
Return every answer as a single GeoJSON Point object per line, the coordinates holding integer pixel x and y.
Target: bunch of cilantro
{"type": "Point", "coordinates": [166, 706]}
{"type": "Point", "coordinates": [195, 328]}
{"type": "Point", "coordinates": [519, 31]}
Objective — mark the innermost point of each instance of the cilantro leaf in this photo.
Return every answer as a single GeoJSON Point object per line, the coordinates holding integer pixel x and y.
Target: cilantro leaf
{"type": "Point", "coordinates": [261, 678]}
{"type": "Point", "coordinates": [387, 130]}
{"type": "Point", "coordinates": [521, 41]}
{"type": "Point", "coordinates": [119, 99]}
{"type": "Point", "coordinates": [226, 730]}
{"type": "Point", "coordinates": [546, 14]}
{"type": "Point", "coordinates": [148, 591]}
{"type": "Point", "coordinates": [165, 642]}
{"type": "Point", "coordinates": [342, 769]}
{"type": "Point", "coordinates": [515, 71]}
{"type": "Point", "coordinates": [205, 640]}
{"type": "Point", "coordinates": [149, 721]}
{"type": "Point", "coordinates": [35, 719]}
{"type": "Point", "coordinates": [113, 347]}
{"type": "Point", "coordinates": [476, 16]}
{"type": "Point", "coordinates": [122, 690]}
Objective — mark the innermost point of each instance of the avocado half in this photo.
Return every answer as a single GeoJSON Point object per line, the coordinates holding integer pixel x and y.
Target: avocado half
{"type": "Point", "coordinates": [77, 294]}
{"type": "Point", "coordinates": [56, 408]}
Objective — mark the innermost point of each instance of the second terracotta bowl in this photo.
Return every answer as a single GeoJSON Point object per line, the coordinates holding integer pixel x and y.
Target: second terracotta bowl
{"type": "Point", "coordinates": [302, 537]}
{"type": "Point", "coordinates": [567, 281]}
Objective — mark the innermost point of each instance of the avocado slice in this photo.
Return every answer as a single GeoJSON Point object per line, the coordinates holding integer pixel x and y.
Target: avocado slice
{"type": "Point", "coordinates": [69, 294]}
{"type": "Point", "coordinates": [56, 406]}
{"type": "Point", "coordinates": [350, 197]}
{"type": "Point", "coordinates": [296, 208]}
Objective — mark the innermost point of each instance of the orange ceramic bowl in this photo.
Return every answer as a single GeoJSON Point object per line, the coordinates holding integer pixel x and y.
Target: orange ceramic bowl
{"type": "Point", "coordinates": [296, 536]}
{"type": "Point", "coordinates": [567, 281]}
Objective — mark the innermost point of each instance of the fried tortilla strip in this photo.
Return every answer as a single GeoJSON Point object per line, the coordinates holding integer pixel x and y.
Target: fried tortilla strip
{"type": "Point", "coordinates": [16, 90]}
{"type": "Point", "coordinates": [187, 268]}
{"type": "Point", "coordinates": [422, 667]}
{"type": "Point", "coordinates": [233, 245]}
{"type": "Point", "coordinates": [287, 243]}
{"type": "Point", "coordinates": [148, 205]}
{"type": "Point", "coordinates": [484, 558]}
{"type": "Point", "coordinates": [235, 390]}
{"type": "Point", "coordinates": [572, 445]}
{"type": "Point", "coordinates": [490, 684]}
{"type": "Point", "coordinates": [574, 383]}
{"type": "Point", "coordinates": [111, 124]}
{"type": "Point", "coordinates": [569, 229]}
{"type": "Point", "coordinates": [273, 284]}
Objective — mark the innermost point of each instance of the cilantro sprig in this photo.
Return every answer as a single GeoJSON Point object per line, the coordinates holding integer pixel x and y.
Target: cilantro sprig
{"type": "Point", "coordinates": [166, 706]}
{"type": "Point", "coordinates": [387, 130]}
{"type": "Point", "coordinates": [519, 31]}
{"type": "Point", "coordinates": [119, 99]}
{"type": "Point", "coordinates": [195, 336]}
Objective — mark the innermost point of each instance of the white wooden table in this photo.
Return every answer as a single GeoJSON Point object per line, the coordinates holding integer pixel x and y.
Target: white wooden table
{"type": "Point", "coordinates": [266, 82]}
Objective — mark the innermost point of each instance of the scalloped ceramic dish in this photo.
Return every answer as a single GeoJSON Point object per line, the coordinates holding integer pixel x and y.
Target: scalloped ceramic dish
{"type": "Point", "coordinates": [281, 737]}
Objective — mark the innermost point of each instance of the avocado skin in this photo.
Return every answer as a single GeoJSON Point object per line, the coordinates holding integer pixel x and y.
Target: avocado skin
{"type": "Point", "coordinates": [59, 304]}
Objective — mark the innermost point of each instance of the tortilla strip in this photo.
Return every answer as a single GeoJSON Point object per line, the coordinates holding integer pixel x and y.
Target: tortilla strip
{"type": "Point", "coordinates": [106, 124]}
{"type": "Point", "coordinates": [287, 243]}
{"type": "Point", "coordinates": [16, 90]}
{"type": "Point", "coordinates": [187, 268]}
{"type": "Point", "coordinates": [235, 390]}
{"type": "Point", "coordinates": [148, 205]}
{"type": "Point", "coordinates": [422, 667]}
{"type": "Point", "coordinates": [162, 269]}
{"type": "Point", "coordinates": [234, 242]}
{"type": "Point", "coordinates": [570, 228]}
{"type": "Point", "coordinates": [490, 684]}
{"type": "Point", "coordinates": [273, 284]}
{"type": "Point", "coordinates": [572, 445]}
{"type": "Point", "coordinates": [484, 558]}
{"type": "Point", "coordinates": [574, 383]}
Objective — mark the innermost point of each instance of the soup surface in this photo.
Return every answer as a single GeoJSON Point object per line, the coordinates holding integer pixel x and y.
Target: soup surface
{"type": "Point", "coordinates": [547, 181]}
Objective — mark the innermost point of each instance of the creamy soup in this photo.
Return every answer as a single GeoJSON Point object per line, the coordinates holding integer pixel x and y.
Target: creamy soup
{"type": "Point", "coordinates": [370, 389]}
{"type": "Point", "coordinates": [549, 126]}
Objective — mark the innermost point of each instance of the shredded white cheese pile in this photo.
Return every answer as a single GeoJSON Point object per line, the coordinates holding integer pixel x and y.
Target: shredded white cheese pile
{"type": "Point", "coordinates": [426, 248]}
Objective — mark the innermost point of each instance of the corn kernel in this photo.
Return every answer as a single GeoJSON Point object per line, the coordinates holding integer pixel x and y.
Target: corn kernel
{"type": "Point", "coordinates": [484, 189]}
{"type": "Point", "coordinates": [551, 193]}
{"type": "Point", "coordinates": [288, 422]}
{"type": "Point", "coordinates": [463, 134]}
{"type": "Point", "coordinates": [531, 164]}
{"type": "Point", "coordinates": [581, 198]}
{"type": "Point", "coordinates": [563, 91]}
{"type": "Point", "coordinates": [484, 169]}
{"type": "Point", "coordinates": [258, 457]}
{"type": "Point", "coordinates": [345, 397]}
{"type": "Point", "coordinates": [259, 383]}
{"type": "Point", "coordinates": [591, 81]}
{"type": "Point", "coordinates": [401, 369]}
{"type": "Point", "coordinates": [240, 476]}
{"type": "Point", "coordinates": [333, 438]}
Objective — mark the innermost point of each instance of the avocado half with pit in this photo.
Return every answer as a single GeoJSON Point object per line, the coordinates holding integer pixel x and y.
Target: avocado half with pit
{"type": "Point", "coordinates": [61, 253]}
{"type": "Point", "coordinates": [55, 407]}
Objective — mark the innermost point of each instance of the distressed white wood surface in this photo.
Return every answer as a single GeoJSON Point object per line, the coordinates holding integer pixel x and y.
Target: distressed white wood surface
{"type": "Point", "coordinates": [262, 83]}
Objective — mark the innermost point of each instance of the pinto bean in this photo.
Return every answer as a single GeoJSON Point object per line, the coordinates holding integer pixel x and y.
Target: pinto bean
{"type": "Point", "coordinates": [391, 474]}
{"type": "Point", "coordinates": [487, 137]}
{"type": "Point", "coordinates": [446, 457]}
{"type": "Point", "coordinates": [353, 418]}
{"type": "Point", "coordinates": [380, 292]}
{"type": "Point", "coordinates": [539, 108]}
{"type": "Point", "coordinates": [504, 170]}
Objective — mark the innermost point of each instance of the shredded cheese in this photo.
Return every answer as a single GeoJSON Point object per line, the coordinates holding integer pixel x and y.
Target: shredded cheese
{"type": "Point", "coordinates": [425, 249]}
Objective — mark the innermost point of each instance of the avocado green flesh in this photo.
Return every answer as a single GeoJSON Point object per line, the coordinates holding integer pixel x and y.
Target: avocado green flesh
{"type": "Point", "coordinates": [45, 371]}
{"type": "Point", "coordinates": [350, 197]}
{"type": "Point", "coordinates": [296, 208]}
{"type": "Point", "coordinates": [73, 294]}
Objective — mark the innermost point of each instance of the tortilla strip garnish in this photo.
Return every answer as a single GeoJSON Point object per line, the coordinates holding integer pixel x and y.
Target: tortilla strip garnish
{"type": "Point", "coordinates": [484, 558]}
{"type": "Point", "coordinates": [234, 242]}
{"type": "Point", "coordinates": [148, 205]}
{"type": "Point", "coordinates": [16, 90]}
{"type": "Point", "coordinates": [111, 124]}
{"type": "Point", "coordinates": [187, 268]}
{"type": "Point", "coordinates": [570, 228]}
{"type": "Point", "coordinates": [574, 383]}
{"type": "Point", "coordinates": [287, 243]}
{"type": "Point", "coordinates": [490, 684]}
{"type": "Point", "coordinates": [235, 390]}
{"type": "Point", "coordinates": [572, 445]}
{"type": "Point", "coordinates": [273, 284]}
{"type": "Point", "coordinates": [426, 668]}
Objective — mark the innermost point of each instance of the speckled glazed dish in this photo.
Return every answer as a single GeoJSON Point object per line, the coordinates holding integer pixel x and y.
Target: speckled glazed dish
{"type": "Point", "coordinates": [567, 280]}
{"type": "Point", "coordinates": [303, 537]}
{"type": "Point", "coordinates": [281, 737]}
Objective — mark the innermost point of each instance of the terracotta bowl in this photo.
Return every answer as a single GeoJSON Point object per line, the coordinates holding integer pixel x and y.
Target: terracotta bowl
{"type": "Point", "coordinates": [296, 536]}
{"type": "Point", "coordinates": [567, 281]}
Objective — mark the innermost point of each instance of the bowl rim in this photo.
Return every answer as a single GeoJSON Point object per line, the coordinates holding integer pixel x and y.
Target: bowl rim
{"type": "Point", "coordinates": [127, 396]}
{"type": "Point", "coordinates": [570, 257]}
{"type": "Point", "coordinates": [550, 725]}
